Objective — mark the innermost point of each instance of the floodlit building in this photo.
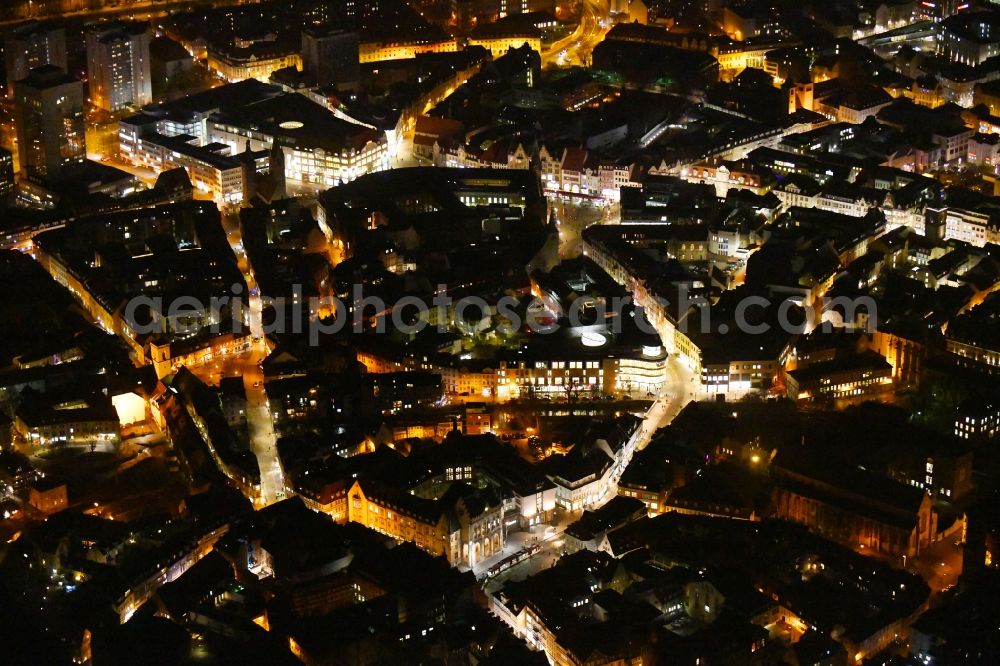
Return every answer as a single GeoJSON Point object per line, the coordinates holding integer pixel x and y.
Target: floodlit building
{"type": "Point", "coordinates": [257, 61]}
{"type": "Point", "coordinates": [464, 525]}
{"type": "Point", "coordinates": [395, 49]}
{"type": "Point", "coordinates": [225, 136]}
{"type": "Point", "coordinates": [498, 38]}
{"type": "Point", "coordinates": [319, 147]}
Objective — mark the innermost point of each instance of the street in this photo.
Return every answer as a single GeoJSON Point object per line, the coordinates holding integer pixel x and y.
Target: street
{"type": "Point", "coordinates": [575, 48]}
{"type": "Point", "coordinates": [138, 10]}
{"type": "Point", "coordinates": [549, 537]}
{"type": "Point", "coordinates": [940, 565]}
{"type": "Point", "coordinates": [263, 441]}
{"type": "Point", "coordinates": [572, 218]}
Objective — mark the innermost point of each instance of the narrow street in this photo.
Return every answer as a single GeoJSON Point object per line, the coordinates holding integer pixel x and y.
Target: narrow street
{"type": "Point", "coordinates": [262, 438]}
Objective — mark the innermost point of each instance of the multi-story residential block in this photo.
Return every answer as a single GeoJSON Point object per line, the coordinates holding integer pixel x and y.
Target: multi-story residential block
{"type": "Point", "coordinates": [577, 172]}
{"type": "Point", "coordinates": [30, 46]}
{"type": "Point", "coordinates": [91, 422]}
{"type": "Point", "coordinates": [118, 65]}
{"type": "Point", "coordinates": [48, 115]}
{"type": "Point", "coordinates": [977, 419]}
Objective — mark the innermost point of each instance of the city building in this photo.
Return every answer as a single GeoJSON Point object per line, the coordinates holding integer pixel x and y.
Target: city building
{"type": "Point", "coordinates": [501, 332]}
{"type": "Point", "coordinates": [91, 422]}
{"type": "Point", "coordinates": [226, 136]}
{"type": "Point", "coordinates": [255, 61]}
{"type": "Point", "coordinates": [499, 38]}
{"type": "Point", "coordinates": [589, 473]}
{"type": "Point", "coordinates": [977, 419]}
{"type": "Point", "coordinates": [6, 176]}
{"type": "Point", "coordinates": [972, 338]}
{"type": "Point", "coordinates": [319, 148]}
{"type": "Point", "coordinates": [398, 47]}
{"type": "Point", "coordinates": [48, 116]}
{"type": "Point", "coordinates": [118, 65]}
{"type": "Point", "coordinates": [464, 525]}
{"type": "Point", "coordinates": [48, 497]}
{"type": "Point", "coordinates": [168, 60]}
{"type": "Point", "coordinates": [852, 506]}
{"type": "Point", "coordinates": [862, 376]}
{"type": "Point", "coordinates": [969, 38]}
{"type": "Point", "coordinates": [330, 57]}
{"type": "Point", "coordinates": [30, 46]}
{"type": "Point", "coordinates": [211, 167]}
{"type": "Point", "coordinates": [85, 255]}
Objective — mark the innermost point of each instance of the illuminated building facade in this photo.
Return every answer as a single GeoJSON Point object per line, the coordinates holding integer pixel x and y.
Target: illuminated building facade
{"type": "Point", "coordinates": [498, 43]}
{"type": "Point", "coordinates": [48, 114]}
{"type": "Point", "coordinates": [464, 529]}
{"type": "Point", "coordinates": [375, 51]}
{"type": "Point", "coordinates": [225, 136]}
{"type": "Point", "coordinates": [977, 419]}
{"type": "Point", "coordinates": [319, 148]}
{"type": "Point", "coordinates": [30, 46]}
{"type": "Point", "coordinates": [77, 422]}
{"type": "Point", "coordinates": [212, 168]}
{"type": "Point", "coordinates": [241, 64]}
{"type": "Point", "coordinates": [969, 38]}
{"type": "Point", "coordinates": [168, 356]}
{"type": "Point", "coordinates": [611, 375]}
{"type": "Point", "coordinates": [861, 376]}
{"type": "Point", "coordinates": [118, 66]}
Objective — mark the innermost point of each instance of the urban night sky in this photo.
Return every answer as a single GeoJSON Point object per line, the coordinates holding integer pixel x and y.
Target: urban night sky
{"type": "Point", "coordinates": [500, 332]}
